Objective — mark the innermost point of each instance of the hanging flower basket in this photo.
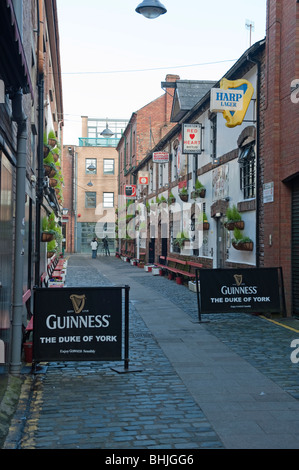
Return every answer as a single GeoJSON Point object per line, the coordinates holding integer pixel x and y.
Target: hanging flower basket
{"type": "Point", "coordinates": [243, 245]}
{"type": "Point", "coordinates": [171, 200]}
{"type": "Point", "coordinates": [198, 193]}
{"type": "Point", "coordinates": [231, 225]}
{"type": "Point", "coordinates": [50, 254]}
{"type": "Point", "coordinates": [53, 182]}
{"type": "Point", "coordinates": [52, 142]}
{"type": "Point", "coordinates": [47, 236]}
{"type": "Point", "coordinates": [184, 197]}
{"type": "Point", "coordinates": [205, 226]}
{"type": "Point", "coordinates": [46, 151]}
{"type": "Point", "coordinates": [49, 171]}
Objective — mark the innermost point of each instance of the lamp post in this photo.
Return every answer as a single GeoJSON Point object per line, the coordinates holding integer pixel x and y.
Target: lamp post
{"type": "Point", "coordinates": [151, 9]}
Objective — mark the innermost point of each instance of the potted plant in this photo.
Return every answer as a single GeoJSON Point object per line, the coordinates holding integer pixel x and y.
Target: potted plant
{"type": "Point", "coordinates": [234, 219]}
{"type": "Point", "coordinates": [200, 190]}
{"type": "Point", "coordinates": [52, 139]}
{"type": "Point", "coordinates": [240, 242]}
{"type": "Point", "coordinates": [47, 233]}
{"type": "Point", "coordinates": [46, 146]}
{"type": "Point", "coordinates": [55, 152]}
{"type": "Point", "coordinates": [171, 198]}
{"type": "Point", "coordinates": [203, 221]}
{"type": "Point", "coordinates": [51, 248]}
{"type": "Point", "coordinates": [163, 200]}
{"type": "Point", "coordinates": [180, 240]}
{"type": "Point", "coordinates": [184, 194]}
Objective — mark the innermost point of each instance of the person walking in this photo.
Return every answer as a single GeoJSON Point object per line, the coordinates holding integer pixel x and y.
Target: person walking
{"type": "Point", "coordinates": [106, 245]}
{"type": "Point", "coordinates": [94, 247]}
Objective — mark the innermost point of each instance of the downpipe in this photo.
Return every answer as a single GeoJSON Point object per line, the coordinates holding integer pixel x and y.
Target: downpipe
{"type": "Point", "coordinates": [20, 118]}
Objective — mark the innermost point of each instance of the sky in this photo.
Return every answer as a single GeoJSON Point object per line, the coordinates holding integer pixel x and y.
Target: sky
{"type": "Point", "coordinates": [113, 60]}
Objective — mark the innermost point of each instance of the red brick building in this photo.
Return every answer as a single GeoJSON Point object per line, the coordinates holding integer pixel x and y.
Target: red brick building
{"type": "Point", "coordinates": [145, 129]}
{"type": "Point", "coordinates": [279, 164]}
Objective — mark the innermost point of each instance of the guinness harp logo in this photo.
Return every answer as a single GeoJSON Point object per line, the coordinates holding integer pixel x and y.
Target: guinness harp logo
{"type": "Point", "coordinates": [78, 302]}
{"type": "Point", "coordinates": [238, 279]}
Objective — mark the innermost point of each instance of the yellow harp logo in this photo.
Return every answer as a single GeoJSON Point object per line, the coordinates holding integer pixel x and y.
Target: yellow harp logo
{"type": "Point", "coordinates": [238, 279]}
{"type": "Point", "coordinates": [235, 118]}
{"type": "Point", "coordinates": [78, 302]}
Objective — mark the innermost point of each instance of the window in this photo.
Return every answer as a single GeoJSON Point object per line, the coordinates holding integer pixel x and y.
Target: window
{"type": "Point", "coordinates": [213, 136]}
{"type": "Point", "coordinates": [108, 166]}
{"type": "Point", "coordinates": [90, 199]}
{"type": "Point", "coordinates": [90, 166]}
{"type": "Point", "coordinates": [108, 199]}
{"type": "Point", "coordinates": [247, 171]}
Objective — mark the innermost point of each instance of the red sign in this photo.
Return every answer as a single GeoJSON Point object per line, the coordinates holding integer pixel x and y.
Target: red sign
{"type": "Point", "coordinates": [130, 190]}
{"type": "Point", "coordinates": [192, 138]}
{"type": "Point", "coordinates": [143, 179]}
{"type": "Point", "coordinates": [160, 157]}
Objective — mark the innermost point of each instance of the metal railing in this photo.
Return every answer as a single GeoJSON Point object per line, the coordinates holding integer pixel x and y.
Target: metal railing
{"type": "Point", "coordinates": [98, 142]}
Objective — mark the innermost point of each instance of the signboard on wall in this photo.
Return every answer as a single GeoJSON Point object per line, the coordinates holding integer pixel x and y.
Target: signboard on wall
{"type": "Point", "coordinates": [143, 177]}
{"type": "Point", "coordinates": [232, 99]}
{"type": "Point", "coordinates": [192, 138]}
{"type": "Point", "coordinates": [160, 157]}
{"type": "Point", "coordinates": [77, 324]}
{"type": "Point", "coordinates": [253, 290]}
{"type": "Point", "coordinates": [130, 190]}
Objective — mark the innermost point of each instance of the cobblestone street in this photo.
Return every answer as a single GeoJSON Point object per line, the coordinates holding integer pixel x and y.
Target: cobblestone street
{"type": "Point", "coordinates": [226, 383]}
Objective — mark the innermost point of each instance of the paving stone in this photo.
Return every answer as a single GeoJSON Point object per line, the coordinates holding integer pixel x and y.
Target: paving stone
{"type": "Point", "coordinates": [87, 405]}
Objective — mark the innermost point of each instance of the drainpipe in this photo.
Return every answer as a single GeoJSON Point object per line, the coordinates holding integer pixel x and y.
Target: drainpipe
{"type": "Point", "coordinates": [20, 118]}
{"type": "Point", "coordinates": [40, 174]}
{"type": "Point", "coordinates": [40, 178]}
{"type": "Point", "coordinates": [257, 209]}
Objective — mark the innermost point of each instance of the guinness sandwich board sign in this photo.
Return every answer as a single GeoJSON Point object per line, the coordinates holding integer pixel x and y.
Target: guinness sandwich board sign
{"type": "Point", "coordinates": [77, 324]}
{"type": "Point", "coordinates": [256, 290]}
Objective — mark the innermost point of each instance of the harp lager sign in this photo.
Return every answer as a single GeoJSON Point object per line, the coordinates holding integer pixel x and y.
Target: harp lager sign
{"type": "Point", "coordinates": [77, 324]}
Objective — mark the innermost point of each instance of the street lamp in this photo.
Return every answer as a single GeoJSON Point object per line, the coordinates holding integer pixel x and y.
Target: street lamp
{"type": "Point", "coordinates": [151, 9]}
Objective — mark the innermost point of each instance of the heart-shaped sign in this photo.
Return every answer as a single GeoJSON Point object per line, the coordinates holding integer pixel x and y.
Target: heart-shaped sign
{"type": "Point", "coordinates": [192, 136]}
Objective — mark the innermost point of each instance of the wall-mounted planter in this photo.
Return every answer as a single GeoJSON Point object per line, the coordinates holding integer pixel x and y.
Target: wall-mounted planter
{"type": "Point", "coordinates": [53, 182]}
{"type": "Point", "coordinates": [184, 197]}
{"type": "Point", "coordinates": [198, 193]}
{"type": "Point", "coordinates": [243, 246]}
{"type": "Point", "coordinates": [50, 171]}
{"type": "Point", "coordinates": [239, 224]}
{"type": "Point", "coordinates": [47, 236]}
{"type": "Point", "coordinates": [205, 226]}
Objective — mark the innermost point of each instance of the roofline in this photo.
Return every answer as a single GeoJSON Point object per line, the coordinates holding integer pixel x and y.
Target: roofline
{"type": "Point", "coordinates": [244, 58]}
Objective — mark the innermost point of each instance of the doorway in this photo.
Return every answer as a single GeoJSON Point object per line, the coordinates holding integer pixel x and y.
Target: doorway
{"type": "Point", "coordinates": [221, 242]}
{"type": "Point", "coordinates": [151, 251]}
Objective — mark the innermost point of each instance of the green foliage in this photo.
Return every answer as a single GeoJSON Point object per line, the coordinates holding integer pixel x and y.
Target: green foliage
{"type": "Point", "coordinates": [52, 135]}
{"type": "Point", "coordinates": [184, 191]}
{"type": "Point", "coordinates": [232, 214]}
{"type": "Point", "coordinates": [51, 246]}
{"type": "Point", "coordinates": [181, 238]}
{"type": "Point", "coordinates": [198, 185]}
{"type": "Point", "coordinates": [239, 237]}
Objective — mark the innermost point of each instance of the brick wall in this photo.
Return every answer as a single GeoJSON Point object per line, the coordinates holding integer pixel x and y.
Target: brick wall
{"type": "Point", "coordinates": [279, 148]}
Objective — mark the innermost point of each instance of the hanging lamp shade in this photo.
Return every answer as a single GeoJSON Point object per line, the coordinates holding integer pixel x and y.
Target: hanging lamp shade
{"type": "Point", "coordinates": [151, 9]}
{"type": "Point", "coordinates": [107, 132]}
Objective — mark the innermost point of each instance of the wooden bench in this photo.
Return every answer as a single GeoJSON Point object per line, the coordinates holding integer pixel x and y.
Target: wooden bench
{"type": "Point", "coordinates": [55, 268]}
{"type": "Point", "coordinates": [193, 267]}
{"type": "Point", "coordinates": [178, 266]}
{"type": "Point", "coordinates": [44, 280]}
{"type": "Point", "coordinates": [182, 268]}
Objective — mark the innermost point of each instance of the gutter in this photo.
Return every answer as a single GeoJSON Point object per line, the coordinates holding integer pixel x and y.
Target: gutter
{"type": "Point", "coordinates": [20, 118]}
{"type": "Point", "coordinates": [257, 196]}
